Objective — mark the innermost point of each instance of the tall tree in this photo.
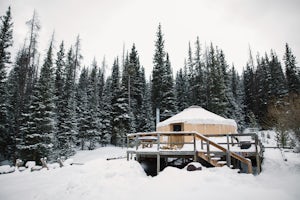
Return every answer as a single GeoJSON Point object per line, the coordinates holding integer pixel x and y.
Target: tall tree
{"type": "Point", "coordinates": [162, 90]}
{"type": "Point", "coordinates": [292, 73]}
{"type": "Point", "coordinates": [5, 42]}
{"type": "Point", "coordinates": [39, 131]}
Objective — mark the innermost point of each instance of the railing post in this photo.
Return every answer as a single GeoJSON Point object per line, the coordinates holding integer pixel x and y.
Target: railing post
{"type": "Point", "coordinates": [158, 141]}
{"type": "Point", "coordinates": [208, 151]}
{"type": "Point", "coordinates": [201, 144]}
{"type": "Point", "coordinates": [136, 142]}
{"type": "Point", "coordinates": [228, 146]}
{"type": "Point", "coordinates": [195, 148]}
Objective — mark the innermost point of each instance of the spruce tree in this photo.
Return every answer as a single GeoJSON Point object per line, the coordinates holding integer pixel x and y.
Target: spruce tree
{"type": "Point", "coordinates": [5, 43]}
{"type": "Point", "coordinates": [162, 90]}
{"type": "Point", "coordinates": [292, 73]}
{"type": "Point", "coordinates": [39, 130]}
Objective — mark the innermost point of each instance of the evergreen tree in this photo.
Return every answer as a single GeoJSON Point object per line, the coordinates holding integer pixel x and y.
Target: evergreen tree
{"type": "Point", "coordinates": [40, 128]}
{"type": "Point", "coordinates": [158, 71]}
{"type": "Point", "coordinates": [83, 108]}
{"type": "Point", "coordinates": [120, 113]}
{"type": "Point", "coordinates": [168, 106]}
{"type": "Point", "coordinates": [199, 84]}
{"type": "Point", "coordinates": [277, 82]}
{"type": "Point", "coordinates": [68, 135]}
{"type": "Point", "coordinates": [59, 95]}
{"type": "Point", "coordinates": [5, 43]}
{"type": "Point", "coordinates": [162, 90]}
{"type": "Point", "coordinates": [292, 73]}
{"type": "Point", "coordinates": [181, 89]}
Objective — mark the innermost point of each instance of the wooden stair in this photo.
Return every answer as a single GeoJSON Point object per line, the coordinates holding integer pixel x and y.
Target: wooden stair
{"type": "Point", "coordinates": [216, 161]}
{"type": "Point", "coordinates": [212, 159]}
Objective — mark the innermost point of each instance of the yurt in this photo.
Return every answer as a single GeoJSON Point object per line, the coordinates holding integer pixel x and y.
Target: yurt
{"type": "Point", "coordinates": [198, 119]}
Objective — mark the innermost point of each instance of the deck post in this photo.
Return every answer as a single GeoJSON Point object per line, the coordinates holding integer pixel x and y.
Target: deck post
{"type": "Point", "coordinates": [228, 147]}
{"type": "Point", "coordinates": [127, 156]}
{"type": "Point", "coordinates": [228, 158]}
{"type": "Point", "coordinates": [257, 155]}
{"type": "Point", "coordinates": [158, 163]}
{"type": "Point", "coordinates": [136, 142]}
{"type": "Point", "coordinates": [208, 151]}
{"type": "Point", "coordinates": [158, 141]}
{"type": "Point", "coordinates": [201, 144]}
{"type": "Point", "coordinates": [195, 148]}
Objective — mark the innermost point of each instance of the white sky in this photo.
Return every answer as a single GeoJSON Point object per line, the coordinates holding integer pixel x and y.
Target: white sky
{"type": "Point", "coordinates": [104, 25]}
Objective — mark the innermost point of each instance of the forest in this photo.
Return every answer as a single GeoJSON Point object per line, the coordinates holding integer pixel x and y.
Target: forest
{"type": "Point", "coordinates": [51, 105]}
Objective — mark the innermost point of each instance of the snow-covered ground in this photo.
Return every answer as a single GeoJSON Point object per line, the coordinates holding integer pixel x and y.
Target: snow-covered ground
{"type": "Point", "coordinates": [122, 179]}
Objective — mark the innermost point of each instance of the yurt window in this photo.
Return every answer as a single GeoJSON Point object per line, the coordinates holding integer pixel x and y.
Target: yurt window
{"type": "Point", "coordinates": [177, 127]}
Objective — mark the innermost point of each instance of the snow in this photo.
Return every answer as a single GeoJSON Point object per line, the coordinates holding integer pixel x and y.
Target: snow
{"type": "Point", "coordinates": [197, 115]}
{"type": "Point", "coordinates": [117, 179]}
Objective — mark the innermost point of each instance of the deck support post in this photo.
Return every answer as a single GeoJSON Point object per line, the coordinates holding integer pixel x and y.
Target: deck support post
{"type": "Point", "coordinates": [195, 148]}
{"type": "Point", "coordinates": [158, 163]}
{"type": "Point", "coordinates": [127, 156]}
{"type": "Point", "coordinates": [257, 155]}
{"type": "Point", "coordinates": [228, 158]}
{"type": "Point", "coordinates": [228, 147]}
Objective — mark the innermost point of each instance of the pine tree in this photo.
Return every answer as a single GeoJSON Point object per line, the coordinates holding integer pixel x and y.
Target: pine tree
{"type": "Point", "coordinates": [158, 71]}
{"type": "Point", "coordinates": [5, 43]}
{"type": "Point", "coordinates": [168, 106]}
{"type": "Point", "coordinates": [181, 89]}
{"type": "Point", "coordinates": [292, 73]}
{"type": "Point", "coordinates": [162, 90]}
{"type": "Point", "coordinates": [199, 76]}
{"type": "Point", "coordinates": [83, 108]}
{"type": "Point", "coordinates": [59, 95]}
{"type": "Point", "coordinates": [39, 130]}
{"type": "Point", "coordinates": [278, 82]}
{"type": "Point", "coordinates": [67, 137]}
{"type": "Point", "coordinates": [120, 108]}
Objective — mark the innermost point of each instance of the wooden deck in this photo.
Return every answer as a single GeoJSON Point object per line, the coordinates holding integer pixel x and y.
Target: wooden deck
{"type": "Point", "coordinates": [216, 150]}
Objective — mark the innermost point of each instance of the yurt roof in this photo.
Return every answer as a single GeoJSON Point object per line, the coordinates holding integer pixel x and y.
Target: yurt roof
{"type": "Point", "coordinates": [197, 115]}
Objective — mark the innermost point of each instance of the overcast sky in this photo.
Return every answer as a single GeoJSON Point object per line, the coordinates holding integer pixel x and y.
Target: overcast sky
{"type": "Point", "coordinates": [105, 25]}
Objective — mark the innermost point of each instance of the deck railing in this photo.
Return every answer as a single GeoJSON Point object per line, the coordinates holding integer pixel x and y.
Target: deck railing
{"type": "Point", "coordinates": [155, 138]}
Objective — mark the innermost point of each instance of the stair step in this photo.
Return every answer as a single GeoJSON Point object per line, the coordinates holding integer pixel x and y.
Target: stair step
{"type": "Point", "coordinates": [216, 158]}
{"type": "Point", "coordinates": [222, 162]}
{"type": "Point", "coordinates": [211, 155]}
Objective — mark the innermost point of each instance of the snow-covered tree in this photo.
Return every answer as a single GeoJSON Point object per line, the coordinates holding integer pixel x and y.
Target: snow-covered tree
{"type": "Point", "coordinates": [5, 43]}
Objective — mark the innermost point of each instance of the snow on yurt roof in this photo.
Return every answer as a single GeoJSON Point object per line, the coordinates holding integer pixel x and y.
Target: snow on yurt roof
{"type": "Point", "coordinates": [197, 115]}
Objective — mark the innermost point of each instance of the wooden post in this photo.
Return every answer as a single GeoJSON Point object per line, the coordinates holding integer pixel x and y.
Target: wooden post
{"type": "Point", "coordinates": [228, 158]}
{"type": "Point", "coordinates": [158, 163]}
{"type": "Point", "coordinates": [208, 151]}
{"type": "Point", "coordinates": [136, 143]}
{"type": "Point", "coordinates": [201, 144]}
{"type": "Point", "coordinates": [257, 155]}
{"type": "Point", "coordinates": [195, 148]}
{"type": "Point", "coordinates": [158, 141]}
{"type": "Point", "coordinates": [127, 156]}
{"type": "Point", "coordinates": [228, 147]}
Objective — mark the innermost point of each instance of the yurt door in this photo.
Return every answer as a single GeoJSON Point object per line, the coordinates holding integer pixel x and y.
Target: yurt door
{"type": "Point", "coordinates": [178, 140]}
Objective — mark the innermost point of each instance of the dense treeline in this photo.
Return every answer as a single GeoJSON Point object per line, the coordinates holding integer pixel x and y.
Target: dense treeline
{"type": "Point", "coordinates": [57, 106]}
